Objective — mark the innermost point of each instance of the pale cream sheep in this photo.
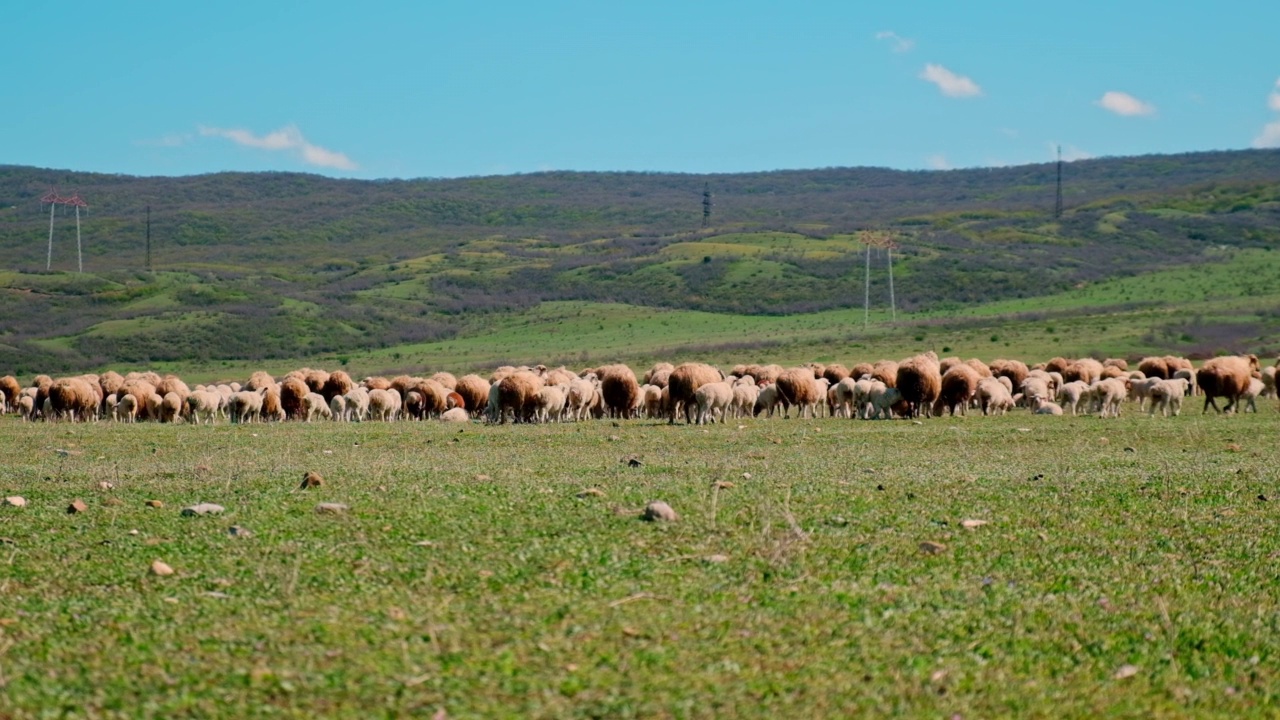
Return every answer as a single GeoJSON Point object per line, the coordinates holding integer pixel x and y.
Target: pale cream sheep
{"type": "Point", "coordinates": [1072, 394]}
{"type": "Point", "coordinates": [993, 395]}
{"type": "Point", "coordinates": [550, 403]}
{"type": "Point", "coordinates": [883, 399]}
{"type": "Point", "coordinates": [384, 405]}
{"type": "Point", "coordinates": [1041, 406]}
{"type": "Point", "coordinates": [713, 400]}
{"type": "Point", "coordinates": [1109, 396]}
{"type": "Point", "coordinates": [357, 405]}
{"type": "Point", "coordinates": [314, 407]}
{"type": "Point", "coordinates": [1166, 396]}
{"type": "Point", "coordinates": [744, 399]}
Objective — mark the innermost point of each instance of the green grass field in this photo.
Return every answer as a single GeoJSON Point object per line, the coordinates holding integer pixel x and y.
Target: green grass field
{"type": "Point", "coordinates": [1125, 570]}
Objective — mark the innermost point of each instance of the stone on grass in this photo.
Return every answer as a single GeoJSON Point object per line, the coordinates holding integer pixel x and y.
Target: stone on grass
{"type": "Point", "coordinates": [161, 568]}
{"type": "Point", "coordinates": [330, 508]}
{"type": "Point", "coordinates": [591, 492]}
{"type": "Point", "coordinates": [202, 509]}
{"type": "Point", "coordinates": [971, 524]}
{"type": "Point", "coordinates": [240, 532]}
{"type": "Point", "coordinates": [154, 504]}
{"type": "Point", "coordinates": [932, 548]}
{"type": "Point", "coordinates": [76, 506]}
{"type": "Point", "coordinates": [311, 480]}
{"type": "Point", "coordinates": [658, 510]}
{"type": "Point", "coordinates": [15, 501]}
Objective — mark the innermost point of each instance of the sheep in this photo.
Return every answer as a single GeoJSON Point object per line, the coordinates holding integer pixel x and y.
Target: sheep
{"type": "Point", "coordinates": [683, 383]}
{"type": "Point", "coordinates": [652, 400]}
{"type": "Point", "coordinates": [619, 389]}
{"type": "Point", "coordinates": [376, 382]}
{"type": "Point", "coordinates": [796, 386]}
{"type": "Point", "coordinates": [1041, 406]}
{"type": "Point", "coordinates": [993, 396]}
{"type": "Point", "coordinates": [864, 369]}
{"type": "Point", "coordinates": [1250, 396]}
{"type": "Point", "coordinates": [1268, 381]}
{"type": "Point", "coordinates": [766, 400]}
{"type": "Point", "coordinates": [338, 408]}
{"type": "Point", "coordinates": [744, 399]}
{"type": "Point", "coordinates": [919, 381]}
{"type": "Point", "coordinates": [1057, 364]}
{"type": "Point", "coordinates": [1166, 396]}
{"type": "Point", "coordinates": [713, 400]}
{"type": "Point", "coordinates": [1118, 363]}
{"type": "Point", "coordinates": [10, 388]}
{"type": "Point", "coordinates": [27, 407]}
{"type": "Point", "coordinates": [551, 403]}
{"type": "Point", "coordinates": [434, 398]}
{"type": "Point", "coordinates": [886, 371]}
{"type": "Point", "coordinates": [474, 391]}
{"type": "Point", "coordinates": [170, 407]}
{"type": "Point", "coordinates": [338, 384]}
{"type": "Point", "coordinates": [455, 415]}
{"type": "Point", "coordinates": [1226, 377]}
{"type": "Point", "coordinates": [884, 399]}
{"type": "Point", "coordinates": [1072, 394]}
{"type": "Point", "coordinates": [659, 374]}
{"type": "Point", "coordinates": [1109, 395]}
{"type": "Point", "coordinates": [447, 380]}
{"type": "Point", "coordinates": [861, 400]}
{"type": "Point", "coordinates": [835, 372]}
{"type": "Point", "coordinates": [1154, 367]}
{"type": "Point", "coordinates": [74, 399]}
{"type": "Point", "coordinates": [356, 404]}
{"type": "Point", "coordinates": [245, 405]}
{"type": "Point", "coordinates": [1086, 370]}
{"type": "Point", "coordinates": [173, 384]}
{"type": "Point", "coordinates": [946, 364]}
{"type": "Point", "coordinates": [842, 394]}
{"type": "Point", "coordinates": [201, 407]}
{"type": "Point", "coordinates": [110, 383]}
{"type": "Point", "coordinates": [582, 395]}
{"type": "Point", "coordinates": [957, 387]}
{"type": "Point", "coordinates": [1140, 390]}
{"type": "Point", "coordinates": [314, 406]}
{"type": "Point", "coordinates": [518, 395]}
{"type": "Point", "coordinates": [384, 405]}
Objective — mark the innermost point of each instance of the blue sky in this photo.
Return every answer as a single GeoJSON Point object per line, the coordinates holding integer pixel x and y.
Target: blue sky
{"type": "Point", "coordinates": [435, 89]}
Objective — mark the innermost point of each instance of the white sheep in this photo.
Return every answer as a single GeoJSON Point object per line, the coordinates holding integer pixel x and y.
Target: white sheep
{"type": "Point", "coordinates": [338, 408]}
{"type": "Point", "coordinates": [357, 405]}
{"type": "Point", "coordinates": [551, 403]}
{"type": "Point", "coordinates": [314, 406]}
{"type": "Point", "coordinates": [243, 406]}
{"type": "Point", "coordinates": [1109, 396]}
{"type": "Point", "coordinates": [202, 406]}
{"type": "Point", "coordinates": [994, 397]}
{"type": "Point", "coordinates": [1041, 406]}
{"type": "Point", "coordinates": [1166, 396]}
{"type": "Point", "coordinates": [744, 398]}
{"type": "Point", "coordinates": [384, 405]}
{"type": "Point", "coordinates": [1072, 394]}
{"type": "Point", "coordinates": [1250, 396]}
{"type": "Point", "coordinates": [713, 401]}
{"type": "Point", "coordinates": [882, 399]}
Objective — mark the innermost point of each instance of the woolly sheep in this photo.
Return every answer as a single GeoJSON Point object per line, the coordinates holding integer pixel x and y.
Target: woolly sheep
{"type": "Point", "coordinates": [357, 405]}
{"type": "Point", "coordinates": [884, 399]}
{"type": "Point", "coordinates": [517, 396]}
{"type": "Point", "coordinates": [314, 407]}
{"type": "Point", "coordinates": [11, 389]}
{"type": "Point", "coordinates": [1166, 396]}
{"type": "Point", "coordinates": [619, 389]}
{"type": "Point", "coordinates": [1072, 394]}
{"type": "Point", "coordinates": [474, 391]}
{"type": "Point", "coordinates": [766, 401]}
{"type": "Point", "coordinates": [683, 383]}
{"type": "Point", "coordinates": [551, 404]}
{"type": "Point", "coordinates": [1227, 377]}
{"type": "Point", "coordinates": [993, 396]}
{"type": "Point", "coordinates": [796, 387]}
{"type": "Point", "coordinates": [457, 414]}
{"type": "Point", "coordinates": [713, 401]}
{"type": "Point", "coordinates": [170, 407]}
{"type": "Point", "coordinates": [659, 374]}
{"type": "Point", "coordinates": [1109, 396]}
{"type": "Point", "coordinates": [338, 408]}
{"type": "Point", "coordinates": [744, 399]}
{"type": "Point", "coordinates": [384, 405]}
{"type": "Point", "coordinates": [1041, 406]}
{"type": "Point", "coordinates": [919, 381]}
{"type": "Point", "coordinates": [958, 386]}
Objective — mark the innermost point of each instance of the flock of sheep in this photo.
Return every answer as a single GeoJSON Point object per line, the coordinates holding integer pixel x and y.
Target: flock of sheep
{"type": "Point", "coordinates": [918, 386]}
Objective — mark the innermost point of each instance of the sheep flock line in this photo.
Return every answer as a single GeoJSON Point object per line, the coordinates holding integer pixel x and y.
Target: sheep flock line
{"type": "Point", "coordinates": [919, 386]}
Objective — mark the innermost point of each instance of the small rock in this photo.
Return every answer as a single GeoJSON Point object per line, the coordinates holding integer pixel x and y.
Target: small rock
{"type": "Point", "coordinates": [1234, 447]}
{"type": "Point", "coordinates": [972, 524]}
{"type": "Point", "coordinates": [133, 532]}
{"type": "Point", "coordinates": [932, 548]}
{"type": "Point", "coordinates": [215, 594]}
{"type": "Point", "coordinates": [1131, 449]}
{"type": "Point", "coordinates": [104, 485]}
{"type": "Point", "coordinates": [311, 480]}
{"type": "Point", "coordinates": [1262, 498]}
{"type": "Point", "coordinates": [161, 568]}
{"type": "Point", "coordinates": [425, 543]}
{"type": "Point", "coordinates": [723, 485]}
{"type": "Point", "coordinates": [202, 509]}
{"type": "Point", "coordinates": [154, 504]}
{"type": "Point", "coordinates": [15, 501]}
{"type": "Point", "coordinates": [746, 476]}
{"type": "Point", "coordinates": [717, 559]}
{"type": "Point", "coordinates": [634, 462]}
{"type": "Point", "coordinates": [483, 478]}
{"type": "Point", "coordinates": [1126, 671]}
{"type": "Point", "coordinates": [76, 506]}
{"type": "Point", "coordinates": [331, 508]}
{"type": "Point", "coordinates": [240, 532]}
{"type": "Point", "coordinates": [916, 422]}
{"type": "Point", "coordinates": [658, 510]}
{"type": "Point", "coordinates": [614, 438]}
{"type": "Point", "coordinates": [591, 492]}
{"type": "Point", "coordinates": [837, 521]}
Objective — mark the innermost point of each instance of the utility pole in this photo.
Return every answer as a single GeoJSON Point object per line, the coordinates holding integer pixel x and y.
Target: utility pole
{"type": "Point", "coordinates": [148, 238]}
{"type": "Point", "coordinates": [706, 204]}
{"type": "Point", "coordinates": [1057, 206]}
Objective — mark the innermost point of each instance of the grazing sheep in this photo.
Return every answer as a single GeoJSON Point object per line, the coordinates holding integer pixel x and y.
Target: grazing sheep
{"type": "Point", "coordinates": [994, 397]}
{"type": "Point", "coordinates": [841, 398]}
{"type": "Point", "coordinates": [74, 399]}
{"type": "Point", "coordinates": [10, 388]}
{"type": "Point", "coordinates": [1109, 396]}
{"type": "Point", "coordinates": [339, 383]}
{"type": "Point", "coordinates": [865, 369]}
{"type": "Point", "coordinates": [1250, 396]}
{"type": "Point", "coordinates": [474, 391]}
{"type": "Point", "coordinates": [862, 389]}
{"type": "Point", "coordinates": [1035, 386]}
{"type": "Point", "coordinates": [357, 405]}
{"type": "Point", "coordinates": [919, 381]}
{"type": "Point", "coordinates": [1072, 394]}
{"type": "Point", "coordinates": [314, 407]}
{"type": "Point", "coordinates": [518, 396]}
{"type": "Point", "coordinates": [683, 384]}
{"type": "Point", "coordinates": [27, 407]}
{"type": "Point", "coordinates": [958, 386]}
{"type": "Point", "coordinates": [713, 401]}
{"type": "Point", "coordinates": [551, 403]}
{"type": "Point", "coordinates": [1166, 396]}
{"type": "Point", "coordinates": [1227, 377]}
{"type": "Point", "coordinates": [259, 381]}
{"type": "Point", "coordinates": [835, 372]}
{"type": "Point", "coordinates": [582, 396]}
{"type": "Point", "coordinates": [110, 383]}
{"type": "Point", "coordinates": [293, 390]}
{"type": "Point", "coordinates": [652, 402]}
{"type": "Point", "coordinates": [376, 382]}
{"type": "Point", "coordinates": [338, 408]}
{"type": "Point", "coordinates": [1118, 363]}
{"type": "Point", "coordinates": [766, 400]}
{"type": "Point", "coordinates": [659, 374]}
{"type": "Point", "coordinates": [384, 405]}
{"type": "Point", "coordinates": [1140, 389]}
{"type": "Point", "coordinates": [447, 380]}
{"type": "Point", "coordinates": [1086, 370]}
{"type": "Point", "coordinates": [202, 406]}
{"type": "Point", "coordinates": [243, 406]}
{"type": "Point", "coordinates": [619, 389]}
{"type": "Point", "coordinates": [1154, 367]}
{"type": "Point", "coordinates": [1057, 364]}
{"type": "Point", "coordinates": [886, 371]}
{"type": "Point", "coordinates": [1041, 406]}
{"type": "Point", "coordinates": [796, 387]}
{"type": "Point", "coordinates": [1015, 370]}
{"type": "Point", "coordinates": [884, 399]}
{"type": "Point", "coordinates": [170, 407]}
{"type": "Point", "coordinates": [457, 414]}
{"type": "Point", "coordinates": [744, 399]}
{"type": "Point", "coordinates": [126, 409]}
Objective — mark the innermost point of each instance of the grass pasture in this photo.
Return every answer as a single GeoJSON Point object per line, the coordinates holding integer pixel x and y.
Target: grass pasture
{"type": "Point", "coordinates": [1127, 569]}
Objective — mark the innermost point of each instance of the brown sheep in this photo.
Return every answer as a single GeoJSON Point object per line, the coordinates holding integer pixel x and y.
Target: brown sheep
{"type": "Point", "coordinates": [449, 382]}
{"type": "Point", "coordinates": [983, 370]}
{"type": "Point", "coordinates": [339, 383]}
{"type": "Point", "coordinates": [835, 372]}
{"type": "Point", "coordinates": [946, 364]}
{"type": "Point", "coordinates": [619, 389]}
{"type": "Point", "coordinates": [376, 382]}
{"type": "Point", "coordinates": [919, 382]}
{"type": "Point", "coordinates": [1119, 363]}
{"type": "Point", "coordinates": [259, 380]}
{"type": "Point", "coordinates": [1111, 371]}
{"type": "Point", "coordinates": [660, 372]}
{"type": "Point", "coordinates": [455, 401]}
{"type": "Point", "coordinates": [559, 376]}
{"type": "Point", "coordinates": [796, 386]}
{"type": "Point", "coordinates": [173, 384]}
{"type": "Point", "coordinates": [170, 407]}
{"type": "Point", "coordinates": [859, 369]}
{"type": "Point", "coordinates": [1058, 365]}
{"type": "Point", "coordinates": [518, 394]}
{"type": "Point", "coordinates": [1227, 377]}
{"type": "Point", "coordinates": [474, 391]}
{"type": "Point", "coordinates": [272, 404]}
{"type": "Point", "coordinates": [1086, 370]}
{"type": "Point", "coordinates": [818, 369]}
{"type": "Point", "coordinates": [959, 386]}
{"type": "Point", "coordinates": [435, 398]}
{"type": "Point", "coordinates": [11, 389]}
{"type": "Point", "coordinates": [110, 382]}
{"type": "Point", "coordinates": [1175, 364]}
{"type": "Point", "coordinates": [1154, 367]}
{"type": "Point", "coordinates": [402, 384]}
{"type": "Point", "coordinates": [683, 384]}
{"type": "Point", "coordinates": [1015, 370]}
{"type": "Point", "coordinates": [292, 392]}
{"type": "Point", "coordinates": [74, 399]}
{"type": "Point", "coordinates": [886, 371]}
{"type": "Point", "coordinates": [315, 380]}
{"type": "Point", "coordinates": [141, 390]}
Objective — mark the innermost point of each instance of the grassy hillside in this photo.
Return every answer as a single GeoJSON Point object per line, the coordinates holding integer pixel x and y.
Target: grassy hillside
{"type": "Point", "coordinates": [265, 268]}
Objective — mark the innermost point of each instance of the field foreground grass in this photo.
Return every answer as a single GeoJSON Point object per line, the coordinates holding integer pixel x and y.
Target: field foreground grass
{"type": "Point", "coordinates": [1127, 568]}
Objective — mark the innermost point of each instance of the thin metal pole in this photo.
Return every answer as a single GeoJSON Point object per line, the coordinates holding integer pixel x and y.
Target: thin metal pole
{"type": "Point", "coordinates": [866, 296]}
{"type": "Point", "coordinates": [48, 263]}
{"type": "Point", "coordinates": [79, 255]}
{"type": "Point", "coordinates": [148, 238]}
{"type": "Point", "coordinates": [893, 307]}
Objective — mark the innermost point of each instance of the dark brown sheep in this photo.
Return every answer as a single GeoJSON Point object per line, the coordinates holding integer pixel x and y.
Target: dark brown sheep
{"type": "Point", "coordinates": [1155, 367]}
{"type": "Point", "coordinates": [959, 385]}
{"type": "Point", "coordinates": [1015, 370]}
{"type": "Point", "coordinates": [339, 383]}
{"type": "Point", "coordinates": [660, 373]}
{"type": "Point", "coordinates": [797, 386]}
{"type": "Point", "coordinates": [292, 392]}
{"type": "Point", "coordinates": [919, 382]}
{"type": "Point", "coordinates": [619, 389]}
{"type": "Point", "coordinates": [835, 372]}
{"type": "Point", "coordinates": [475, 393]}
{"type": "Point", "coordinates": [1226, 377]}
{"type": "Point", "coordinates": [518, 395]}
{"type": "Point", "coordinates": [683, 386]}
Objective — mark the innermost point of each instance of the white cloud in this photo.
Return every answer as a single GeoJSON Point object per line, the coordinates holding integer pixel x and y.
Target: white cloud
{"type": "Point", "coordinates": [1270, 135]}
{"type": "Point", "coordinates": [938, 162]}
{"type": "Point", "coordinates": [1124, 104]}
{"type": "Point", "coordinates": [951, 84]}
{"type": "Point", "coordinates": [900, 44]}
{"type": "Point", "coordinates": [286, 138]}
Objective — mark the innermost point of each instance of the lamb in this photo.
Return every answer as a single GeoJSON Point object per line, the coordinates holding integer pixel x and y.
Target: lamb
{"type": "Point", "coordinates": [994, 396]}
{"type": "Point", "coordinates": [551, 404]}
{"type": "Point", "coordinates": [713, 400]}
{"type": "Point", "coordinates": [1268, 381]}
{"type": "Point", "coordinates": [682, 385]}
{"type": "Point", "coordinates": [474, 391]}
{"type": "Point", "coordinates": [455, 415]}
{"type": "Point", "coordinates": [356, 405]}
{"type": "Point", "coordinates": [919, 381]}
{"type": "Point", "coordinates": [1072, 394]}
{"type": "Point", "coordinates": [245, 405]}
{"type": "Point", "coordinates": [1227, 377]}
{"type": "Point", "coordinates": [1250, 396]}
{"type": "Point", "coordinates": [582, 395]}
{"type": "Point", "coordinates": [1041, 406]}
{"type": "Point", "coordinates": [27, 407]}
{"type": "Point", "coordinates": [272, 408]}
{"type": "Point", "coordinates": [619, 389]}
{"type": "Point", "coordinates": [170, 407]}
{"type": "Point", "coordinates": [338, 408]}
{"type": "Point", "coordinates": [862, 388]}
{"type": "Point", "coordinates": [110, 382]}
{"type": "Point", "coordinates": [384, 405]}
{"type": "Point", "coordinates": [1140, 390]}
{"type": "Point", "coordinates": [766, 401]}
{"type": "Point", "coordinates": [202, 406]}
{"type": "Point", "coordinates": [842, 394]}
{"type": "Point", "coordinates": [652, 400]}
{"type": "Point", "coordinates": [1109, 395]}
{"type": "Point", "coordinates": [884, 399]}
{"type": "Point", "coordinates": [1166, 396]}
{"type": "Point", "coordinates": [314, 406]}
{"type": "Point", "coordinates": [958, 386]}
{"type": "Point", "coordinates": [744, 399]}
